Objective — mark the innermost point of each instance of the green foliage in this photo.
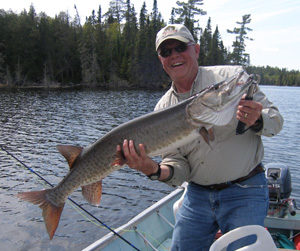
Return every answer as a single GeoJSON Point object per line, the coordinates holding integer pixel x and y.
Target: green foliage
{"type": "Point", "coordinates": [111, 50]}
{"type": "Point", "coordinates": [239, 56]}
{"type": "Point", "coordinates": [187, 13]}
{"type": "Point", "coordinates": [275, 76]}
{"type": "Point", "coordinates": [212, 51]}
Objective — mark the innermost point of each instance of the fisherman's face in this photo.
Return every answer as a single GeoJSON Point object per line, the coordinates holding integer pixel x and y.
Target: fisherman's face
{"type": "Point", "coordinates": [181, 65]}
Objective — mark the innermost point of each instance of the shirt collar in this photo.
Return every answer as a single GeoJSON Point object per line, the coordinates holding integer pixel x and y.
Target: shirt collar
{"type": "Point", "coordinates": [194, 89]}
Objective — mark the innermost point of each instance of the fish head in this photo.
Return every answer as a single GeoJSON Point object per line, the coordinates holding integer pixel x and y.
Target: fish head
{"type": "Point", "coordinates": [216, 104]}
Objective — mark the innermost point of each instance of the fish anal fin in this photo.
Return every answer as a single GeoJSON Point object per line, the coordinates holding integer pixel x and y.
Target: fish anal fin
{"type": "Point", "coordinates": [70, 153]}
{"type": "Point", "coordinates": [51, 212]}
{"type": "Point", "coordinates": [92, 192]}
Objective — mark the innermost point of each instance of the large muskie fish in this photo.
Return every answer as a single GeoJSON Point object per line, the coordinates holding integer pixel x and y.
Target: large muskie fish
{"type": "Point", "coordinates": [160, 131]}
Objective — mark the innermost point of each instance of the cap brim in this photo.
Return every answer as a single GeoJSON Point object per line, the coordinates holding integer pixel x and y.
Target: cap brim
{"type": "Point", "coordinates": [179, 38]}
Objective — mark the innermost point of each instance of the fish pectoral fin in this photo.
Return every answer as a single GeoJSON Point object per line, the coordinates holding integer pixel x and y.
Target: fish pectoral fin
{"type": "Point", "coordinates": [51, 212]}
{"type": "Point", "coordinates": [92, 192]}
{"type": "Point", "coordinates": [70, 153]}
{"type": "Point", "coordinates": [119, 158]}
{"type": "Point", "coordinates": [207, 135]}
{"type": "Point", "coordinates": [211, 134]}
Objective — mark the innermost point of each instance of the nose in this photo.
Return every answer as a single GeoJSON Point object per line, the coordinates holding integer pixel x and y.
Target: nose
{"type": "Point", "coordinates": [174, 52]}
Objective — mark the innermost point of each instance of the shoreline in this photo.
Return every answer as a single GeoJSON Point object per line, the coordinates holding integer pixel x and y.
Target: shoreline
{"type": "Point", "coordinates": [111, 86]}
{"type": "Point", "coordinates": [58, 86]}
{"type": "Point", "coordinates": [44, 87]}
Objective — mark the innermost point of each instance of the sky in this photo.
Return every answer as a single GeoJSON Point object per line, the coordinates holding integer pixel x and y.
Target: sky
{"type": "Point", "coordinates": [275, 24]}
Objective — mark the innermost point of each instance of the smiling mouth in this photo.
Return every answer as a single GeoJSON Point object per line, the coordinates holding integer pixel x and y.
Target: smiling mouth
{"type": "Point", "coordinates": [176, 65]}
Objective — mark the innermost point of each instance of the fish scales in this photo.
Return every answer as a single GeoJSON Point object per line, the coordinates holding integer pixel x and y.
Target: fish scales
{"type": "Point", "coordinates": [98, 157]}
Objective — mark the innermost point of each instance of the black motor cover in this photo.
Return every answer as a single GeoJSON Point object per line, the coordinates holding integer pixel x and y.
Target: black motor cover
{"type": "Point", "coordinates": [279, 181]}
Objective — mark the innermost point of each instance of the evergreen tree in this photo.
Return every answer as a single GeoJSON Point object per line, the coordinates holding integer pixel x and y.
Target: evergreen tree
{"type": "Point", "coordinates": [205, 44]}
{"type": "Point", "coordinates": [128, 40]}
{"type": "Point", "coordinates": [2, 64]}
{"type": "Point", "coordinates": [172, 18]}
{"type": "Point", "coordinates": [99, 16]}
{"type": "Point", "coordinates": [187, 13]}
{"type": "Point", "coordinates": [110, 50]}
{"type": "Point", "coordinates": [28, 64]}
{"type": "Point", "coordinates": [217, 53]}
{"type": "Point", "coordinates": [88, 54]}
{"type": "Point", "coordinates": [239, 56]}
{"type": "Point", "coordinates": [116, 11]}
{"type": "Point", "coordinates": [140, 46]}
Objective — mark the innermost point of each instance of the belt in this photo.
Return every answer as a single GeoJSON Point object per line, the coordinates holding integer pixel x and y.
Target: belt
{"type": "Point", "coordinates": [258, 169]}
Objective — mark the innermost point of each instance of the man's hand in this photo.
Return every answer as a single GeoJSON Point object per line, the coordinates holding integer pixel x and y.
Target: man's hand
{"type": "Point", "coordinates": [249, 111]}
{"type": "Point", "coordinates": [141, 161]}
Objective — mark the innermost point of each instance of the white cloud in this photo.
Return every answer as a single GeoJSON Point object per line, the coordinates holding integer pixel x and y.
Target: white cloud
{"type": "Point", "coordinates": [259, 17]}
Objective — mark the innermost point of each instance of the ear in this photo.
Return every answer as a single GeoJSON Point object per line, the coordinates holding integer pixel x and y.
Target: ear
{"type": "Point", "coordinates": [197, 49]}
{"type": "Point", "coordinates": [160, 58]}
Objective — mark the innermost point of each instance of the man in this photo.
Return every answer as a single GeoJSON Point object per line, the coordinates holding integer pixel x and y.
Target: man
{"type": "Point", "coordinates": [227, 186]}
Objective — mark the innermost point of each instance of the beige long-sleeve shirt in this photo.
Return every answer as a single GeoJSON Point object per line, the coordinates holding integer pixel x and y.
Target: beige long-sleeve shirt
{"type": "Point", "coordinates": [230, 156]}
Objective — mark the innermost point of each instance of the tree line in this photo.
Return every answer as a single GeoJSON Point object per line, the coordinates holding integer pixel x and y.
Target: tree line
{"type": "Point", "coordinates": [115, 49]}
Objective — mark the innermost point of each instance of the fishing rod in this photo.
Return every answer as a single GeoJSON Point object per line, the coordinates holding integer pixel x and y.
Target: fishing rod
{"type": "Point", "coordinates": [74, 202]}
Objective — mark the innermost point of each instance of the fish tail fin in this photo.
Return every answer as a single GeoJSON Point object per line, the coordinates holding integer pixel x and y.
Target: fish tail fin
{"type": "Point", "coordinates": [51, 212]}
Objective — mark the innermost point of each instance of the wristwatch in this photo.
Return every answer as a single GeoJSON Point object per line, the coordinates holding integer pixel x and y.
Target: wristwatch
{"type": "Point", "coordinates": [155, 176]}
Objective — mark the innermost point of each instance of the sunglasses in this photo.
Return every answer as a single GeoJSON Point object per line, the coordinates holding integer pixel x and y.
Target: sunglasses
{"type": "Point", "coordinates": [182, 47]}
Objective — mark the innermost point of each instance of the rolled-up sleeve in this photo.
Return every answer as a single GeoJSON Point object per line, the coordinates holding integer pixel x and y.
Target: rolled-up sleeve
{"type": "Point", "coordinates": [272, 119]}
{"type": "Point", "coordinates": [181, 168]}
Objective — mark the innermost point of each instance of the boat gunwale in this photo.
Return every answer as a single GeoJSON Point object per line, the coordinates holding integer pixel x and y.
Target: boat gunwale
{"type": "Point", "coordinates": [105, 240]}
{"type": "Point", "coordinates": [286, 223]}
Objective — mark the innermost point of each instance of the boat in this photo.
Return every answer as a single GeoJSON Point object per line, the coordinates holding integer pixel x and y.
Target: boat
{"type": "Point", "coordinates": [152, 229]}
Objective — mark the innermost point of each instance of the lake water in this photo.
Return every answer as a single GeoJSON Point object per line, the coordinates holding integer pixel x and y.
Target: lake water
{"type": "Point", "coordinates": [34, 122]}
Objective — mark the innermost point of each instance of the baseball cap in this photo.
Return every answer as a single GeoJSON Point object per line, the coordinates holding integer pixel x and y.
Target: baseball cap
{"type": "Point", "coordinates": [173, 31]}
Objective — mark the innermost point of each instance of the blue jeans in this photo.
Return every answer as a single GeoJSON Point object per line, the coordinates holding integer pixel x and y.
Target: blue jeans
{"type": "Point", "coordinates": [205, 211]}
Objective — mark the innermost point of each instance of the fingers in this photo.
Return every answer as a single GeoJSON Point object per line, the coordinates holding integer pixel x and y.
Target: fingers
{"type": "Point", "coordinates": [248, 111]}
{"type": "Point", "coordinates": [129, 151]}
{"type": "Point", "coordinates": [134, 159]}
{"type": "Point", "coordinates": [142, 151]}
{"type": "Point", "coordinates": [132, 150]}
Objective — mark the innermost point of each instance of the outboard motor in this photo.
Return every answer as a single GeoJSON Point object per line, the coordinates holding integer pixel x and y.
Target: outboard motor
{"type": "Point", "coordinates": [280, 188]}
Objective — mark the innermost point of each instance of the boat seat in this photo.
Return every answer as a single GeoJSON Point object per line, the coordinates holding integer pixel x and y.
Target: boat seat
{"type": "Point", "coordinates": [178, 203]}
{"type": "Point", "coordinates": [263, 242]}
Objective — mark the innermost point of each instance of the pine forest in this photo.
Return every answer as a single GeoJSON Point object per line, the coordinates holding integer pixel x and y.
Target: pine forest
{"type": "Point", "coordinates": [115, 49]}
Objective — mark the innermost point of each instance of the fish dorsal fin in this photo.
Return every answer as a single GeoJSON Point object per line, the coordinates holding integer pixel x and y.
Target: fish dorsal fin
{"type": "Point", "coordinates": [92, 192]}
{"type": "Point", "coordinates": [70, 153]}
